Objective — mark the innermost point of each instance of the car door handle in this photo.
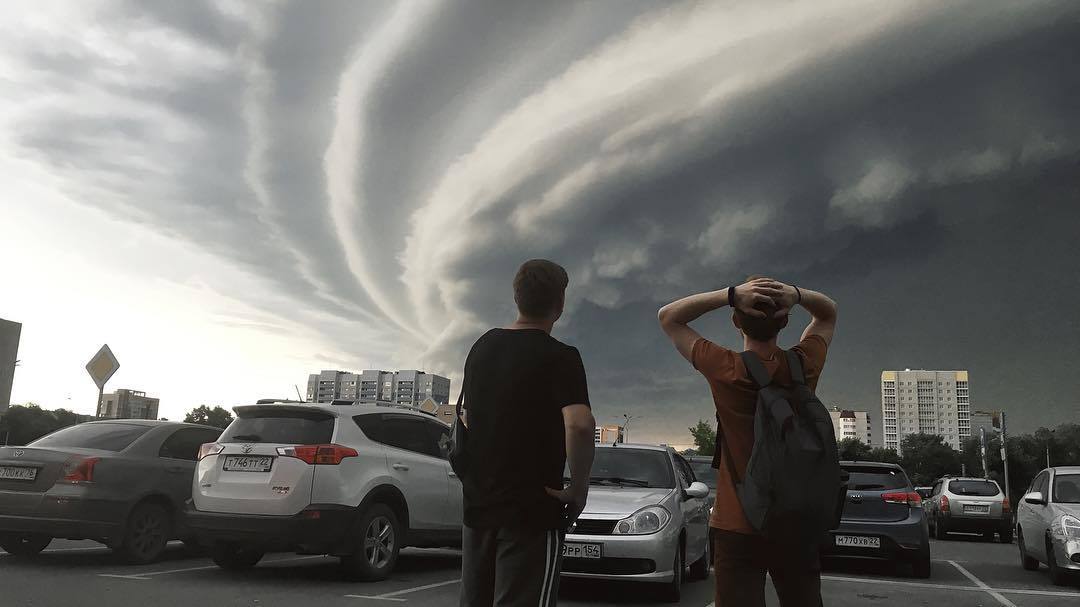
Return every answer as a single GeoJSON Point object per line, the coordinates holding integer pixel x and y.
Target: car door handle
{"type": "Point", "coordinates": [400, 467]}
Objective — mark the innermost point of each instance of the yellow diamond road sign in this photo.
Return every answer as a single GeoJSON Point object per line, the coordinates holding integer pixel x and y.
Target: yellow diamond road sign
{"type": "Point", "coordinates": [102, 366]}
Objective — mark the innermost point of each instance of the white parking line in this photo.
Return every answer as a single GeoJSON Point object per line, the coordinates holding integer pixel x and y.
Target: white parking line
{"type": "Point", "coordinates": [997, 595]}
{"type": "Point", "coordinates": [392, 596]}
{"type": "Point", "coordinates": [149, 575]}
{"type": "Point", "coordinates": [984, 588]}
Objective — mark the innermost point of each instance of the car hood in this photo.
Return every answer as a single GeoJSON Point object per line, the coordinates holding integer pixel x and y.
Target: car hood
{"type": "Point", "coordinates": [1059, 509]}
{"type": "Point", "coordinates": [622, 500]}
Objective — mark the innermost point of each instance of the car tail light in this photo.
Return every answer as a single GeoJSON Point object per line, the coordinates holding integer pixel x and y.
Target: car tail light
{"type": "Point", "coordinates": [911, 498]}
{"type": "Point", "coordinates": [944, 503]}
{"type": "Point", "coordinates": [208, 449]}
{"type": "Point", "coordinates": [1006, 506]}
{"type": "Point", "coordinates": [79, 470]}
{"type": "Point", "coordinates": [318, 454]}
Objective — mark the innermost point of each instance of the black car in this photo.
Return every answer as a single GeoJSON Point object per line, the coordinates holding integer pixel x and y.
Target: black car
{"type": "Point", "coordinates": [882, 519]}
{"type": "Point", "coordinates": [119, 482]}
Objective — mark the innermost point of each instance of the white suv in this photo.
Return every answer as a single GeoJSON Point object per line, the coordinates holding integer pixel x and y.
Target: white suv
{"type": "Point", "coordinates": [349, 480]}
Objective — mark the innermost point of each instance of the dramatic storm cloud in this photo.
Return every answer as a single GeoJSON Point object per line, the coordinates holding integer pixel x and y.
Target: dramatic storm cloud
{"type": "Point", "coordinates": [377, 171]}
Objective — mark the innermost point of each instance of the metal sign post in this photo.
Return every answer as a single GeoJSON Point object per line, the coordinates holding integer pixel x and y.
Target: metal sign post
{"type": "Point", "coordinates": [101, 367]}
{"type": "Point", "coordinates": [1004, 458]}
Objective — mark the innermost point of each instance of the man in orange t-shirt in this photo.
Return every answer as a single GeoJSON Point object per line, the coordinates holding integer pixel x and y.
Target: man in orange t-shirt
{"type": "Point", "coordinates": [761, 309]}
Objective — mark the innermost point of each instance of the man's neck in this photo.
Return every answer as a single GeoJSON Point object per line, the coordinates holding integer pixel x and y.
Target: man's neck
{"type": "Point", "coordinates": [529, 323]}
{"type": "Point", "coordinates": [764, 349]}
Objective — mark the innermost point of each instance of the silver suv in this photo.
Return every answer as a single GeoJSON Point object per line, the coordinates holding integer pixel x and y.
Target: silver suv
{"type": "Point", "coordinates": [355, 481]}
{"type": "Point", "coordinates": [972, 505]}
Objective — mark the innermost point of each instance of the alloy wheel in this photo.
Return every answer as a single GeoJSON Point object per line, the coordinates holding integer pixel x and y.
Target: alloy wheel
{"type": "Point", "coordinates": [379, 542]}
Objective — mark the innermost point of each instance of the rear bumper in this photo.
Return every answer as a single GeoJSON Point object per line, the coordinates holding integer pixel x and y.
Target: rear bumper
{"type": "Point", "coordinates": [328, 531]}
{"type": "Point", "coordinates": [66, 512]}
{"type": "Point", "coordinates": [975, 524]}
{"type": "Point", "coordinates": [907, 540]}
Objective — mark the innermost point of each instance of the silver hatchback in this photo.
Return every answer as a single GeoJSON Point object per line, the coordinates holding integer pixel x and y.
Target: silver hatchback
{"type": "Point", "coordinates": [647, 519]}
{"type": "Point", "coordinates": [1048, 523]}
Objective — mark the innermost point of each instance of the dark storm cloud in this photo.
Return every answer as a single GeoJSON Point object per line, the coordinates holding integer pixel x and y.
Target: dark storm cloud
{"type": "Point", "coordinates": [387, 166]}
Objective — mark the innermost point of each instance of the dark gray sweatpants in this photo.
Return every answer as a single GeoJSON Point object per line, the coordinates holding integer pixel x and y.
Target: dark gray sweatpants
{"type": "Point", "coordinates": [508, 567]}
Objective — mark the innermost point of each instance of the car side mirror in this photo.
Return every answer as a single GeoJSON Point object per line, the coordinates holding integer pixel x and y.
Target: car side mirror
{"type": "Point", "coordinates": [697, 490]}
{"type": "Point", "coordinates": [1035, 497]}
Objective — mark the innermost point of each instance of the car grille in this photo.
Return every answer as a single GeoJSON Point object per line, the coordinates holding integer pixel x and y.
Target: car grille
{"type": "Point", "coordinates": [593, 527]}
{"type": "Point", "coordinates": [609, 566]}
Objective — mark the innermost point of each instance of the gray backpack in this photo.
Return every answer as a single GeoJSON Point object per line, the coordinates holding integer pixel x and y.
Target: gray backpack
{"type": "Point", "coordinates": [792, 489]}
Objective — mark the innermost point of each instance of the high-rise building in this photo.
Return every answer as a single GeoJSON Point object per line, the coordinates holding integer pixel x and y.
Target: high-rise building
{"type": "Point", "coordinates": [928, 402]}
{"type": "Point", "coordinates": [128, 404]}
{"type": "Point", "coordinates": [609, 435]}
{"type": "Point", "coordinates": [406, 387]}
{"type": "Point", "coordinates": [851, 424]}
{"type": "Point", "coordinates": [988, 420]}
{"type": "Point", "coordinates": [9, 352]}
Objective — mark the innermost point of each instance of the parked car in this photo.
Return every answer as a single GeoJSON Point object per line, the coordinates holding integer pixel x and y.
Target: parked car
{"type": "Point", "coordinates": [972, 505]}
{"type": "Point", "coordinates": [924, 493]}
{"type": "Point", "coordinates": [704, 472]}
{"type": "Point", "coordinates": [121, 483]}
{"type": "Point", "coordinates": [1048, 523]}
{"type": "Point", "coordinates": [647, 517]}
{"type": "Point", "coordinates": [355, 481]}
{"type": "Point", "coordinates": [882, 518]}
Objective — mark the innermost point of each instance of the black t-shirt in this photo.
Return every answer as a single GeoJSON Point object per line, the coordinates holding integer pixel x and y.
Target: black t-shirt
{"type": "Point", "coordinates": [517, 382]}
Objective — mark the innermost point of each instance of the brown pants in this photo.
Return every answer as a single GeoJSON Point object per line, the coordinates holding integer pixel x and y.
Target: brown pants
{"type": "Point", "coordinates": [741, 560]}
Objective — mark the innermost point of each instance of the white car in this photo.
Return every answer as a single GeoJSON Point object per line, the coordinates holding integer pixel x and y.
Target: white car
{"type": "Point", "coordinates": [355, 481]}
{"type": "Point", "coordinates": [646, 520]}
{"type": "Point", "coordinates": [1048, 523]}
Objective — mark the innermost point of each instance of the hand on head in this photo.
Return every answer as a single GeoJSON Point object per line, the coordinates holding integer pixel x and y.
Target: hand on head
{"type": "Point", "coordinates": [759, 297]}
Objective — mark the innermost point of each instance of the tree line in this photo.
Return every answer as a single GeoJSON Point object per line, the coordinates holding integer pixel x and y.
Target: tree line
{"type": "Point", "coordinates": [22, 424]}
{"type": "Point", "coordinates": [927, 457]}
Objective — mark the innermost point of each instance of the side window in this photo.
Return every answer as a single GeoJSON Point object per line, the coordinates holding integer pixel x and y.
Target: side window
{"type": "Point", "coordinates": [685, 472]}
{"type": "Point", "coordinates": [402, 432]}
{"type": "Point", "coordinates": [1040, 484]}
{"type": "Point", "coordinates": [185, 442]}
{"type": "Point", "coordinates": [439, 434]}
{"type": "Point", "coordinates": [937, 488]}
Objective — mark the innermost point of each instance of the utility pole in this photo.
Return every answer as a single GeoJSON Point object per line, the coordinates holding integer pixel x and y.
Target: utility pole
{"type": "Point", "coordinates": [1005, 458]}
{"type": "Point", "coordinates": [982, 451]}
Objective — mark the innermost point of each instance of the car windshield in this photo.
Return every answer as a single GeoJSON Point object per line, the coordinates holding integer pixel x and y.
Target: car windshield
{"type": "Point", "coordinates": [282, 427]}
{"type": "Point", "coordinates": [1067, 489]}
{"type": "Point", "coordinates": [976, 488]}
{"type": "Point", "coordinates": [104, 436]}
{"type": "Point", "coordinates": [629, 467]}
{"type": "Point", "coordinates": [704, 472]}
{"type": "Point", "coordinates": [869, 478]}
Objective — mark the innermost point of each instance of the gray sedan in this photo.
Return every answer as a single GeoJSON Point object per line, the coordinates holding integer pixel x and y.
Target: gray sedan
{"type": "Point", "coordinates": [118, 482]}
{"type": "Point", "coordinates": [647, 519]}
{"type": "Point", "coordinates": [1048, 523]}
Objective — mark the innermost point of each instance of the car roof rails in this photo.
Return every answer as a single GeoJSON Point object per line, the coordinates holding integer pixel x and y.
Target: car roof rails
{"type": "Point", "coordinates": [283, 401]}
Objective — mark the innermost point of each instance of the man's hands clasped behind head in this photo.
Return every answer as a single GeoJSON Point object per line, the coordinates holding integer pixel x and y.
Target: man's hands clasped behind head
{"type": "Point", "coordinates": [759, 297]}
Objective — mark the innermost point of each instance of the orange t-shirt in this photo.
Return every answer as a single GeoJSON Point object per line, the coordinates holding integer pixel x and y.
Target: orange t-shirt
{"type": "Point", "coordinates": [735, 396]}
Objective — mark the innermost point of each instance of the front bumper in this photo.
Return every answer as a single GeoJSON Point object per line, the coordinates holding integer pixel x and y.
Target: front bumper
{"type": "Point", "coordinates": [1066, 552]}
{"type": "Point", "coordinates": [645, 558]}
{"type": "Point", "coordinates": [318, 529]}
{"type": "Point", "coordinates": [907, 540]}
{"type": "Point", "coordinates": [65, 511]}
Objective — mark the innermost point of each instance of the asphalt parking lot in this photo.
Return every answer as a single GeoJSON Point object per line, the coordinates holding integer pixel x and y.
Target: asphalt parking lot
{"type": "Point", "coordinates": [967, 571]}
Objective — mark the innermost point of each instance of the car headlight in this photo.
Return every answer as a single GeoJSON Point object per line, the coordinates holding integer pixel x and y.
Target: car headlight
{"type": "Point", "coordinates": [643, 522]}
{"type": "Point", "coordinates": [1070, 526]}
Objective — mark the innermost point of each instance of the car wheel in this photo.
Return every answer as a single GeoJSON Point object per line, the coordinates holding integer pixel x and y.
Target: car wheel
{"type": "Point", "coordinates": [234, 557]}
{"type": "Point", "coordinates": [939, 529]}
{"type": "Point", "coordinates": [921, 567]}
{"type": "Point", "coordinates": [146, 535]}
{"type": "Point", "coordinates": [1057, 574]}
{"type": "Point", "coordinates": [673, 590]}
{"type": "Point", "coordinates": [1025, 561]}
{"type": "Point", "coordinates": [377, 546]}
{"type": "Point", "coordinates": [1006, 535]}
{"type": "Point", "coordinates": [699, 569]}
{"type": "Point", "coordinates": [28, 544]}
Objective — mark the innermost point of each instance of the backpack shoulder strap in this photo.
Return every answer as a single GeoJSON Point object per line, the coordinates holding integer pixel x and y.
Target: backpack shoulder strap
{"type": "Point", "coordinates": [795, 367]}
{"type": "Point", "coordinates": [757, 370]}
{"type": "Point", "coordinates": [723, 452]}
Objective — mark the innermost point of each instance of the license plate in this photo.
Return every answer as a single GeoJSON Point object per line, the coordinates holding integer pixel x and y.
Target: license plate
{"type": "Point", "coordinates": [248, 463]}
{"type": "Point", "coordinates": [582, 551]}
{"type": "Point", "coordinates": [17, 473]}
{"type": "Point", "coordinates": [976, 509]}
{"type": "Point", "coordinates": [858, 541]}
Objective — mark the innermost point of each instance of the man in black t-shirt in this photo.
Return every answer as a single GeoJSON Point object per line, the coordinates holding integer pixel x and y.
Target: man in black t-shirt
{"type": "Point", "coordinates": [527, 411]}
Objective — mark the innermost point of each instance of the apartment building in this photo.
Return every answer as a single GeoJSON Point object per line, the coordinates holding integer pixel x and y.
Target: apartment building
{"type": "Point", "coordinates": [406, 387]}
{"type": "Point", "coordinates": [128, 404]}
{"type": "Point", "coordinates": [851, 424]}
{"type": "Point", "coordinates": [929, 402]}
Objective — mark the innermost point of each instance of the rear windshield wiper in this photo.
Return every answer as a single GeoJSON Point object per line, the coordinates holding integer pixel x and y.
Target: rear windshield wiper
{"type": "Point", "coordinates": [248, 437]}
{"type": "Point", "coordinates": [616, 480]}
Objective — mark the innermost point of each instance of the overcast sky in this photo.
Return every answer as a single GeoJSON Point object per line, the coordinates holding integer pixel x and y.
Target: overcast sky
{"type": "Point", "coordinates": [236, 194]}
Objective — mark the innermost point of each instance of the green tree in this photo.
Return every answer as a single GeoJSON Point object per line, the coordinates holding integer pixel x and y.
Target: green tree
{"type": "Point", "coordinates": [203, 414]}
{"type": "Point", "coordinates": [881, 454]}
{"type": "Point", "coordinates": [926, 458]}
{"type": "Point", "coordinates": [853, 449]}
{"type": "Point", "coordinates": [23, 424]}
{"type": "Point", "coordinates": [704, 438]}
